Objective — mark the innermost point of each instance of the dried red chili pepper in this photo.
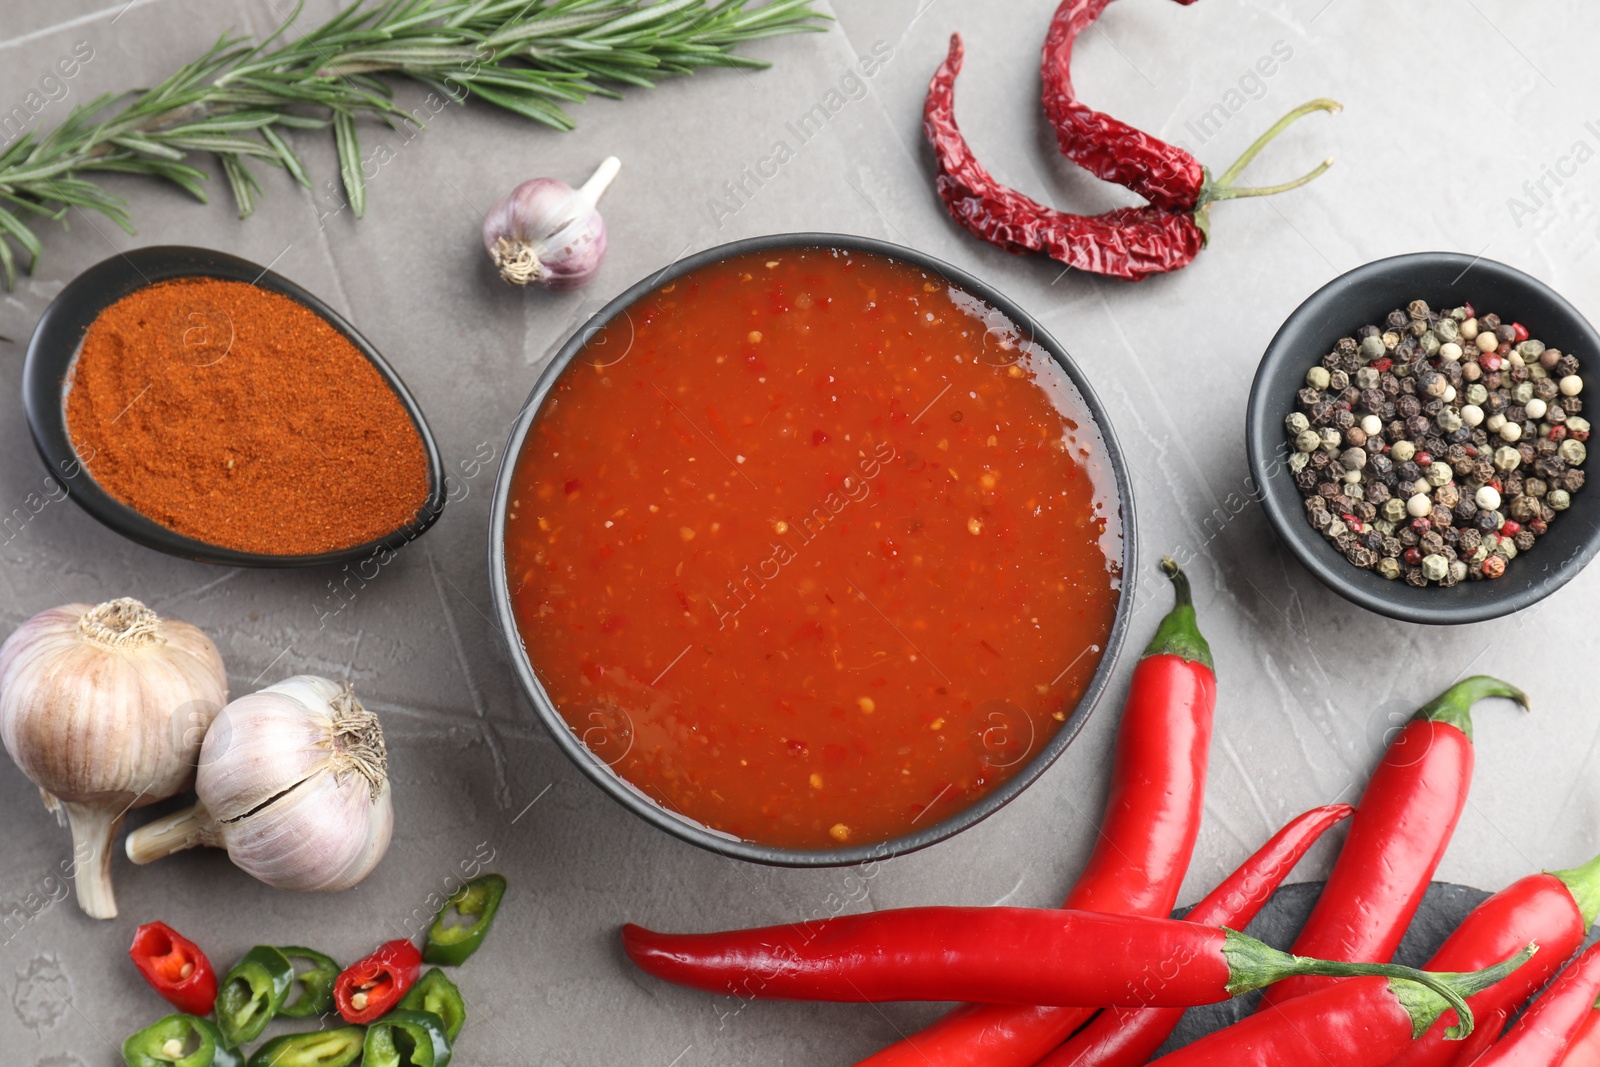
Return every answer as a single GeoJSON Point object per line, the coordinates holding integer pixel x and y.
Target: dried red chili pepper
{"type": "Point", "coordinates": [1162, 173]}
{"type": "Point", "coordinates": [369, 987]}
{"type": "Point", "coordinates": [1128, 1037]}
{"type": "Point", "coordinates": [1131, 243]}
{"type": "Point", "coordinates": [1403, 823]}
{"type": "Point", "coordinates": [175, 967]}
{"type": "Point", "coordinates": [1541, 1037]}
{"type": "Point", "coordinates": [1141, 852]}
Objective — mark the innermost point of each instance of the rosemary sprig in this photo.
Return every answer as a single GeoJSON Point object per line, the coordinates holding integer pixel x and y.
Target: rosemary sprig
{"type": "Point", "coordinates": [240, 102]}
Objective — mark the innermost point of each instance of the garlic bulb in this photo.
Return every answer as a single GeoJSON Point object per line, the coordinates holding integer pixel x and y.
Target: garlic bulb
{"type": "Point", "coordinates": [547, 232]}
{"type": "Point", "coordinates": [294, 782]}
{"type": "Point", "coordinates": [104, 709]}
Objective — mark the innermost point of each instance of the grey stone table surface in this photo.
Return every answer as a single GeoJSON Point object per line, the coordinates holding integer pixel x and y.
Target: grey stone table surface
{"type": "Point", "coordinates": [1469, 125]}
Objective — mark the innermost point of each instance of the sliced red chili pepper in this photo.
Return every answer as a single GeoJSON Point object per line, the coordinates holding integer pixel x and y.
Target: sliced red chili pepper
{"type": "Point", "coordinates": [1127, 1037]}
{"type": "Point", "coordinates": [1540, 1038]}
{"type": "Point", "coordinates": [371, 986]}
{"type": "Point", "coordinates": [1131, 243]}
{"type": "Point", "coordinates": [1363, 1022]}
{"type": "Point", "coordinates": [1006, 956]}
{"type": "Point", "coordinates": [175, 967]}
{"type": "Point", "coordinates": [1141, 852]}
{"type": "Point", "coordinates": [1162, 173]}
{"type": "Point", "coordinates": [1402, 825]}
{"type": "Point", "coordinates": [1553, 909]}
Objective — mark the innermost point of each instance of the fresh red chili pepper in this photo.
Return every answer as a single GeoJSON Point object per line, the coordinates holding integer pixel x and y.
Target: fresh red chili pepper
{"type": "Point", "coordinates": [1540, 1038]}
{"type": "Point", "coordinates": [1585, 1048]}
{"type": "Point", "coordinates": [994, 955]}
{"type": "Point", "coordinates": [1398, 836]}
{"type": "Point", "coordinates": [369, 987]}
{"type": "Point", "coordinates": [1364, 1022]}
{"type": "Point", "coordinates": [1554, 909]}
{"type": "Point", "coordinates": [175, 967]}
{"type": "Point", "coordinates": [1163, 174]}
{"type": "Point", "coordinates": [1141, 852]}
{"type": "Point", "coordinates": [1127, 1037]}
{"type": "Point", "coordinates": [1131, 243]}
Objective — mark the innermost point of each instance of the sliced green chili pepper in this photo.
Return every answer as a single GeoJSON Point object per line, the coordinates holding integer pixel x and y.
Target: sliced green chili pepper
{"type": "Point", "coordinates": [406, 1038]}
{"type": "Point", "coordinates": [179, 1041]}
{"type": "Point", "coordinates": [252, 993]}
{"type": "Point", "coordinates": [316, 984]}
{"type": "Point", "coordinates": [478, 900]}
{"type": "Point", "coordinates": [436, 993]}
{"type": "Point", "coordinates": [317, 1048]}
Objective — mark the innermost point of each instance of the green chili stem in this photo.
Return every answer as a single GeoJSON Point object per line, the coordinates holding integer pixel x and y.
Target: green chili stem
{"type": "Point", "coordinates": [1584, 884]}
{"type": "Point", "coordinates": [1179, 634]}
{"type": "Point", "coordinates": [1454, 705]}
{"type": "Point", "coordinates": [1322, 104]}
{"type": "Point", "coordinates": [1253, 965]}
{"type": "Point", "coordinates": [1238, 192]}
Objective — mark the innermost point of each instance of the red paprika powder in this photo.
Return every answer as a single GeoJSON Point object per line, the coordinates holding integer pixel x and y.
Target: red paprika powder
{"type": "Point", "coordinates": [239, 417]}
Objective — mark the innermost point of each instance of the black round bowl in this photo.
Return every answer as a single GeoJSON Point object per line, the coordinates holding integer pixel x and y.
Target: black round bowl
{"type": "Point", "coordinates": [46, 376]}
{"type": "Point", "coordinates": [1338, 309]}
{"type": "Point", "coordinates": [681, 826]}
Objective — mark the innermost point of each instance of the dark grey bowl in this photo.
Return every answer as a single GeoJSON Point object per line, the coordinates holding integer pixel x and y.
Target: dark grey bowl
{"type": "Point", "coordinates": [1365, 295]}
{"type": "Point", "coordinates": [687, 829]}
{"type": "Point", "coordinates": [55, 345]}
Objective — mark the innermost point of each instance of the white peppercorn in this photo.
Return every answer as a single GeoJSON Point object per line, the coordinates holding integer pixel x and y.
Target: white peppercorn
{"type": "Point", "coordinates": [1487, 497]}
{"type": "Point", "coordinates": [1487, 343]}
{"type": "Point", "coordinates": [1511, 431]}
{"type": "Point", "coordinates": [1571, 385]}
{"type": "Point", "coordinates": [1494, 422]}
{"type": "Point", "coordinates": [1469, 329]}
{"type": "Point", "coordinates": [1371, 425]}
{"type": "Point", "coordinates": [1450, 352]}
{"type": "Point", "coordinates": [1472, 415]}
{"type": "Point", "coordinates": [1535, 408]}
{"type": "Point", "coordinates": [1419, 505]}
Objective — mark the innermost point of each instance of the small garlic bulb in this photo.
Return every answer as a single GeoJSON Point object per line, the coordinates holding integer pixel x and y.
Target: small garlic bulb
{"type": "Point", "coordinates": [104, 709]}
{"type": "Point", "coordinates": [547, 232]}
{"type": "Point", "coordinates": [294, 782]}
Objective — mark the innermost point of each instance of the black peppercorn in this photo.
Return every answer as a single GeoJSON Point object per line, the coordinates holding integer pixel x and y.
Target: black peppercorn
{"type": "Point", "coordinates": [1572, 480]}
{"type": "Point", "coordinates": [1524, 540]}
{"type": "Point", "coordinates": [1487, 521]}
{"type": "Point", "coordinates": [1468, 540]}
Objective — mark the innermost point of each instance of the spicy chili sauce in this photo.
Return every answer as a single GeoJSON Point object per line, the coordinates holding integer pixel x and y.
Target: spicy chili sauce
{"type": "Point", "coordinates": [812, 547]}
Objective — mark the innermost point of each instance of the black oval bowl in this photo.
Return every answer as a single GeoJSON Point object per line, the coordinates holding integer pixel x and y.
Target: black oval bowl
{"type": "Point", "coordinates": [1365, 295]}
{"type": "Point", "coordinates": [681, 826]}
{"type": "Point", "coordinates": [54, 348]}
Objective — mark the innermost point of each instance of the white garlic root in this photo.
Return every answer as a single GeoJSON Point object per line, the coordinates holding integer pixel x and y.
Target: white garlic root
{"type": "Point", "coordinates": [104, 709]}
{"type": "Point", "coordinates": [293, 782]}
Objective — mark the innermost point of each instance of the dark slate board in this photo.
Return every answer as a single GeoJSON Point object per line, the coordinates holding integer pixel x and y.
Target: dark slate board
{"type": "Point", "coordinates": [1442, 910]}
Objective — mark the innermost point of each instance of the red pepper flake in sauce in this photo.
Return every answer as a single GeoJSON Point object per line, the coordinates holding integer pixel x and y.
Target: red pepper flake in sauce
{"type": "Point", "coordinates": [821, 618]}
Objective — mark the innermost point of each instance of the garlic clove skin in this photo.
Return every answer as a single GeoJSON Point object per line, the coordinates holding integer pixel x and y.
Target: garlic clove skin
{"type": "Point", "coordinates": [547, 232]}
{"type": "Point", "coordinates": [104, 708]}
{"type": "Point", "coordinates": [293, 782]}
{"type": "Point", "coordinates": [316, 838]}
